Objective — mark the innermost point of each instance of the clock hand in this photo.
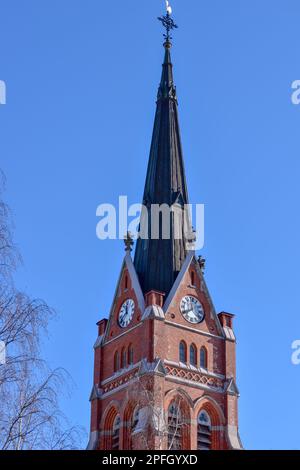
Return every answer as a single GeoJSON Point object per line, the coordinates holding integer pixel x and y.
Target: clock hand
{"type": "Point", "coordinates": [186, 310]}
{"type": "Point", "coordinates": [123, 316]}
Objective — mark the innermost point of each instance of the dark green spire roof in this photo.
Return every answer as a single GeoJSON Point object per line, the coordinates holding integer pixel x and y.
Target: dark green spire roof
{"type": "Point", "coordinates": [158, 262]}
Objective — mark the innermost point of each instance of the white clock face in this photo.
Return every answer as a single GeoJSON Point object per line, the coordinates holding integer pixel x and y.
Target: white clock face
{"type": "Point", "coordinates": [126, 313]}
{"type": "Point", "coordinates": [192, 309]}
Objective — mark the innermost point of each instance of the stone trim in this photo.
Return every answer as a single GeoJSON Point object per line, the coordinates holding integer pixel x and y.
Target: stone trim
{"type": "Point", "coordinates": [213, 313]}
{"type": "Point", "coordinates": [156, 367]}
{"type": "Point", "coordinates": [95, 393]}
{"type": "Point", "coordinates": [234, 438]}
{"type": "Point", "coordinates": [117, 389]}
{"type": "Point", "coordinates": [230, 336]}
{"type": "Point", "coordinates": [93, 441]}
{"type": "Point", "coordinates": [194, 369]}
{"type": "Point", "coordinates": [153, 312]}
{"type": "Point", "coordinates": [120, 373]}
{"type": "Point", "coordinates": [135, 282]}
{"type": "Point", "coordinates": [179, 278]}
{"type": "Point", "coordinates": [99, 341]}
{"type": "Point", "coordinates": [127, 262]}
{"type": "Point", "coordinates": [192, 383]}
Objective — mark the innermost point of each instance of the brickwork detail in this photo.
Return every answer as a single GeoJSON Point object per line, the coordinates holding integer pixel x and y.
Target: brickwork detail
{"type": "Point", "coordinates": [194, 376]}
{"type": "Point", "coordinates": [118, 382]}
{"type": "Point", "coordinates": [133, 419]}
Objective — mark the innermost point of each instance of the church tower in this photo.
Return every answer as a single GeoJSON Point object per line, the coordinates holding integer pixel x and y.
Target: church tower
{"type": "Point", "coordinates": [165, 367]}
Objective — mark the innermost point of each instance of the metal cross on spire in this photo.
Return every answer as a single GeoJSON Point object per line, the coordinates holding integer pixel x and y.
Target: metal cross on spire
{"type": "Point", "coordinates": [168, 22]}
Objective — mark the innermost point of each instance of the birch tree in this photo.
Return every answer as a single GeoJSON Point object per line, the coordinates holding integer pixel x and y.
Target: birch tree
{"type": "Point", "coordinates": [30, 416]}
{"type": "Point", "coordinates": [154, 422]}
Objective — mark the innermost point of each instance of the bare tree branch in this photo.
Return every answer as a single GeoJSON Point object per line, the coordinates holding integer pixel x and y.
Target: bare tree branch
{"type": "Point", "coordinates": [153, 420]}
{"type": "Point", "coordinates": [30, 416]}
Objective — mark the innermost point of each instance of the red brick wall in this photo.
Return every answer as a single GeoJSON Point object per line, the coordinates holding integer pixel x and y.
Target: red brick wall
{"type": "Point", "coordinates": [160, 339]}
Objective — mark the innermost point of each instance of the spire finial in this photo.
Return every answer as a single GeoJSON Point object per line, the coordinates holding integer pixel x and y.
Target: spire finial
{"type": "Point", "coordinates": [128, 241]}
{"type": "Point", "coordinates": [202, 263]}
{"type": "Point", "coordinates": [168, 23]}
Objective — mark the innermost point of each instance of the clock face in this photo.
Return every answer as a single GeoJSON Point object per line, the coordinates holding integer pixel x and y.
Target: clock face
{"type": "Point", "coordinates": [126, 313]}
{"type": "Point", "coordinates": [192, 309]}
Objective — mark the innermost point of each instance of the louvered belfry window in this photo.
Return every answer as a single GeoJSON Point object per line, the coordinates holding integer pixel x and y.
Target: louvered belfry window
{"type": "Point", "coordinates": [204, 431]}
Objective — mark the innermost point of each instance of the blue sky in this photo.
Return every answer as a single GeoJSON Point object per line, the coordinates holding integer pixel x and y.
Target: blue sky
{"type": "Point", "coordinates": [81, 82]}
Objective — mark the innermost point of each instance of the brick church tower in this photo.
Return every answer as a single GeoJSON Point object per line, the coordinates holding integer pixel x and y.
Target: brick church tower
{"type": "Point", "coordinates": [164, 372]}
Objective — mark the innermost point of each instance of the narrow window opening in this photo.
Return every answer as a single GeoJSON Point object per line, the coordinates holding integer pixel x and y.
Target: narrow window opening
{"type": "Point", "coordinates": [203, 358]}
{"type": "Point", "coordinates": [193, 355]}
{"type": "Point", "coordinates": [130, 355]}
{"type": "Point", "coordinates": [123, 358]}
{"type": "Point", "coordinates": [116, 361]}
{"type": "Point", "coordinates": [182, 352]}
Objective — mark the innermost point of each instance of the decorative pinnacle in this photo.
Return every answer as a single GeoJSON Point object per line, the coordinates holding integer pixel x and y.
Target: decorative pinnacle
{"type": "Point", "coordinates": [202, 263]}
{"type": "Point", "coordinates": [128, 241]}
{"type": "Point", "coordinates": [168, 22]}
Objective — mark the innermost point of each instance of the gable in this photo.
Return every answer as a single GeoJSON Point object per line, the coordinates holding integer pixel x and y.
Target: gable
{"type": "Point", "coordinates": [190, 282]}
{"type": "Point", "coordinates": [128, 287]}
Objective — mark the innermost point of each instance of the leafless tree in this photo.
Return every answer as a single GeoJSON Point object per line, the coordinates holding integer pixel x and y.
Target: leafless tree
{"type": "Point", "coordinates": [30, 416]}
{"type": "Point", "coordinates": [155, 423]}
{"type": "Point", "coordinates": [32, 419]}
{"type": "Point", "coordinates": [9, 256]}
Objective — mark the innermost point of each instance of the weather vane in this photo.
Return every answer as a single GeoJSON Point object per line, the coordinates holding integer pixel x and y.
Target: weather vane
{"type": "Point", "coordinates": [168, 22]}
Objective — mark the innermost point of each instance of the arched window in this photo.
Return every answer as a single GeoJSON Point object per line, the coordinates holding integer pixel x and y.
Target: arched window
{"type": "Point", "coordinates": [174, 427]}
{"type": "Point", "coordinates": [193, 355]}
{"type": "Point", "coordinates": [123, 358]}
{"type": "Point", "coordinates": [135, 419]}
{"type": "Point", "coordinates": [130, 355]}
{"type": "Point", "coordinates": [182, 352]}
{"type": "Point", "coordinates": [116, 361]}
{"type": "Point", "coordinates": [116, 433]}
{"type": "Point", "coordinates": [111, 425]}
{"type": "Point", "coordinates": [203, 358]}
{"type": "Point", "coordinates": [203, 431]}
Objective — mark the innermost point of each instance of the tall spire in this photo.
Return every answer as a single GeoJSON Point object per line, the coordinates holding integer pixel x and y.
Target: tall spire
{"type": "Point", "coordinates": [158, 261]}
